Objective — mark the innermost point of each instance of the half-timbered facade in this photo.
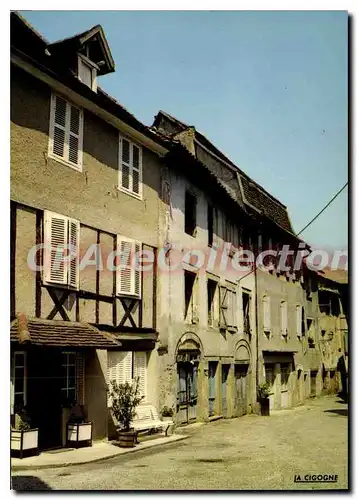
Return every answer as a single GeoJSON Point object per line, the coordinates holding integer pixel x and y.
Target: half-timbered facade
{"type": "Point", "coordinates": [85, 184]}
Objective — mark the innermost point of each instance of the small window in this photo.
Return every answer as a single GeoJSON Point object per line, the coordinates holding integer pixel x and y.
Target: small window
{"type": "Point", "coordinates": [18, 381]}
{"type": "Point", "coordinates": [129, 275]}
{"type": "Point", "coordinates": [130, 167]}
{"type": "Point", "coordinates": [87, 74]}
{"type": "Point", "coordinates": [246, 306]}
{"type": "Point", "coordinates": [190, 306]}
{"type": "Point", "coordinates": [190, 213]}
{"type": "Point", "coordinates": [266, 306]}
{"type": "Point", "coordinates": [61, 250]}
{"type": "Point", "coordinates": [283, 308]}
{"type": "Point", "coordinates": [69, 376]}
{"type": "Point", "coordinates": [212, 288]}
{"type": "Point", "coordinates": [66, 132]}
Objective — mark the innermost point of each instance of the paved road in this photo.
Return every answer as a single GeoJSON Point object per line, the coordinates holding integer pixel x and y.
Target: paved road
{"type": "Point", "coordinates": [247, 453]}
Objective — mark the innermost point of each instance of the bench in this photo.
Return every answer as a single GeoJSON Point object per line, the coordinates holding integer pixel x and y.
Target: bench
{"type": "Point", "coordinates": [147, 419]}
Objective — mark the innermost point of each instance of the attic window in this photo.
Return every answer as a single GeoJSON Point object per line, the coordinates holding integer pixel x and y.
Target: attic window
{"type": "Point", "coordinates": [87, 72]}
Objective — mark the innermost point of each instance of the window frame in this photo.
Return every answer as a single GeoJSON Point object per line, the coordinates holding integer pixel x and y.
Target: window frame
{"type": "Point", "coordinates": [85, 61]}
{"type": "Point", "coordinates": [65, 158]}
{"type": "Point", "coordinates": [120, 187]}
{"type": "Point", "coordinates": [190, 194]}
{"type": "Point", "coordinates": [13, 376]}
{"type": "Point", "coordinates": [67, 365]}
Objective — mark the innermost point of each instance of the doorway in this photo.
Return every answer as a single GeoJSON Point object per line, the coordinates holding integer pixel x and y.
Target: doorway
{"type": "Point", "coordinates": [224, 376]}
{"type": "Point", "coordinates": [313, 390]}
{"type": "Point", "coordinates": [212, 365]}
{"type": "Point", "coordinates": [241, 389]}
{"type": "Point", "coordinates": [187, 395]}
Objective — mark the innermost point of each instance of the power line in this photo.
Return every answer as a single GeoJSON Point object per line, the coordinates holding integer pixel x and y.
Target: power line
{"type": "Point", "coordinates": [323, 209]}
{"type": "Point", "coordinates": [306, 226]}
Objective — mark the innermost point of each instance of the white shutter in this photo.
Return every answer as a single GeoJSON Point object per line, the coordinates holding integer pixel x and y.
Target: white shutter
{"type": "Point", "coordinates": [124, 163]}
{"type": "Point", "coordinates": [127, 367]}
{"type": "Point", "coordinates": [136, 169]}
{"type": "Point", "coordinates": [85, 73]}
{"type": "Point", "coordinates": [284, 318]}
{"type": "Point", "coordinates": [57, 132]}
{"type": "Point", "coordinates": [130, 166]}
{"type": "Point", "coordinates": [266, 313]}
{"type": "Point", "coordinates": [74, 241]}
{"type": "Point", "coordinates": [55, 239]}
{"type": "Point", "coordinates": [128, 274]}
{"type": "Point", "coordinates": [75, 134]}
{"type": "Point", "coordinates": [140, 370]}
{"type": "Point", "coordinates": [298, 320]}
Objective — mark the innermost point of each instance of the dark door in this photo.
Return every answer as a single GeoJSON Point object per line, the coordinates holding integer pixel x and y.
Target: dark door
{"type": "Point", "coordinates": [241, 389]}
{"type": "Point", "coordinates": [224, 376]}
{"type": "Point", "coordinates": [212, 372]}
{"type": "Point", "coordinates": [44, 395]}
{"type": "Point", "coordinates": [313, 384]}
{"type": "Point", "coordinates": [187, 396]}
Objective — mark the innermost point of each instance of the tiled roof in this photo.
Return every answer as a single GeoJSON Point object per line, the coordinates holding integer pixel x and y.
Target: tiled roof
{"type": "Point", "coordinates": [337, 275]}
{"type": "Point", "coordinates": [250, 193]}
{"type": "Point", "coordinates": [54, 333]}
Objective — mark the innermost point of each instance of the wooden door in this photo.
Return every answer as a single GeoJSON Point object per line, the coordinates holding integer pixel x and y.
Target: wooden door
{"type": "Point", "coordinates": [241, 389]}
{"type": "Point", "coordinates": [212, 392]}
{"type": "Point", "coordinates": [224, 376]}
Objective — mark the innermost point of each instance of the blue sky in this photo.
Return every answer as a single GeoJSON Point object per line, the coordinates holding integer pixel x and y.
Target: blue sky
{"type": "Point", "coordinates": [267, 88]}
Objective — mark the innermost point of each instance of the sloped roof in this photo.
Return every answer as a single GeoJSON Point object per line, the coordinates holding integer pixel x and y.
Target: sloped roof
{"type": "Point", "coordinates": [337, 275]}
{"type": "Point", "coordinates": [238, 184]}
{"type": "Point", "coordinates": [56, 333]}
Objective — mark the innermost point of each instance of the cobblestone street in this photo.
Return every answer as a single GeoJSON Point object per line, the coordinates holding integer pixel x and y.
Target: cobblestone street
{"type": "Point", "coordinates": [249, 453]}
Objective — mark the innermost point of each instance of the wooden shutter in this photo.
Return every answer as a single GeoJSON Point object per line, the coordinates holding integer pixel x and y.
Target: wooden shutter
{"type": "Point", "coordinates": [124, 166]}
{"type": "Point", "coordinates": [80, 371]}
{"type": "Point", "coordinates": [58, 120]}
{"type": "Point", "coordinates": [140, 370]}
{"type": "Point", "coordinates": [75, 128]}
{"type": "Point", "coordinates": [223, 307]}
{"type": "Point", "coordinates": [128, 273]}
{"type": "Point", "coordinates": [284, 318]}
{"type": "Point", "coordinates": [136, 169]}
{"type": "Point", "coordinates": [55, 239]}
{"type": "Point", "coordinates": [74, 241]}
{"type": "Point", "coordinates": [298, 320]}
{"type": "Point", "coordinates": [266, 313]}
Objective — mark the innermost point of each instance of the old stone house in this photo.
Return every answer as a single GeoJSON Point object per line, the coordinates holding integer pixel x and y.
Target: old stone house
{"type": "Point", "coordinates": [84, 172]}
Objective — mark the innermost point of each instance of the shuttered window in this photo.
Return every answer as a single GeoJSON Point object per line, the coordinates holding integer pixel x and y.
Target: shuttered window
{"type": "Point", "coordinates": [66, 132]}
{"type": "Point", "coordinates": [130, 167]}
{"type": "Point", "coordinates": [124, 366]}
{"type": "Point", "coordinates": [61, 250]}
{"type": "Point", "coordinates": [140, 371]}
{"type": "Point", "coordinates": [228, 309]}
{"type": "Point", "coordinates": [128, 271]}
{"type": "Point", "coordinates": [266, 306]}
{"type": "Point", "coordinates": [283, 308]}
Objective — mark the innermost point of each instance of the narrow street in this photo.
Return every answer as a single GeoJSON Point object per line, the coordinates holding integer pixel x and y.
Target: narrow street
{"type": "Point", "coordinates": [246, 453]}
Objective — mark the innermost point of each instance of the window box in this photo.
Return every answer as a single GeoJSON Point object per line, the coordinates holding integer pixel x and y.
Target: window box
{"type": "Point", "coordinates": [79, 434]}
{"type": "Point", "coordinates": [24, 441]}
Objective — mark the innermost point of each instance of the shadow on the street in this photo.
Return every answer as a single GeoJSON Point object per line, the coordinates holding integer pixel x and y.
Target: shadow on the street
{"type": "Point", "coordinates": [343, 412]}
{"type": "Point", "coordinates": [26, 483]}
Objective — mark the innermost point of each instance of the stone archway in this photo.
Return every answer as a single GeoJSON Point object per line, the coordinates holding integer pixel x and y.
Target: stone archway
{"type": "Point", "coordinates": [188, 354]}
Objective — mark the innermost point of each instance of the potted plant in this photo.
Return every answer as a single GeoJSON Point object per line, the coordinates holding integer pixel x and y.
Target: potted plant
{"type": "Point", "coordinates": [125, 398]}
{"type": "Point", "coordinates": [263, 393]}
{"type": "Point", "coordinates": [78, 432]}
{"type": "Point", "coordinates": [167, 413]}
{"type": "Point", "coordinates": [23, 438]}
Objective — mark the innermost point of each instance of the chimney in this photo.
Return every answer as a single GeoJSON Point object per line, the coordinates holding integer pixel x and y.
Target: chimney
{"type": "Point", "coordinates": [22, 329]}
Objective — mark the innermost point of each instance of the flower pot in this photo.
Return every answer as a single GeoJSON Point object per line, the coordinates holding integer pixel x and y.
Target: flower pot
{"type": "Point", "coordinates": [265, 407]}
{"type": "Point", "coordinates": [127, 439]}
{"type": "Point", "coordinates": [24, 442]}
{"type": "Point", "coordinates": [167, 419]}
{"type": "Point", "coordinates": [79, 434]}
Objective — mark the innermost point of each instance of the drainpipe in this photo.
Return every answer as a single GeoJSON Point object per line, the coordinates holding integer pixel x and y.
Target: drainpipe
{"type": "Point", "coordinates": [257, 327]}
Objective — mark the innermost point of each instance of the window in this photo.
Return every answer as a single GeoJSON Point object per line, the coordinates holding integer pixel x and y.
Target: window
{"type": "Point", "coordinates": [190, 213]}
{"type": "Point", "coordinates": [303, 323]}
{"type": "Point", "coordinates": [246, 307]}
{"type": "Point", "coordinates": [69, 386]}
{"type": "Point", "coordinates": [130, 167]}
{"type": "Point", "coordinates": [129, 276]}
{"type": "Point", "coordinates": [190, 311]}
{"type": "Point", "coordinates": [285, 373]}
{"type": "Point", "coordinates": [228, 308]}
{"type": "Point", "coordinates": [61, 250]}
{"type": "Point", "coordinates": [66, 132]}
{"type": "Point", "coordinates": [283, 308]}
{"type": "Point", "coordinates": [211, 287]}
{"type": "Point", "coordinates": [231, 233]}
{"type": "Point", "coordinates": [269, 375]}
{"type": "Point", "coordinates": [18, 381]}
{"type": "Point", "coordinates": [124, 366]}
{"type": "Point", "coordinates": [87, 73]}
{"type": "Point", "coordinates": [266, 307]}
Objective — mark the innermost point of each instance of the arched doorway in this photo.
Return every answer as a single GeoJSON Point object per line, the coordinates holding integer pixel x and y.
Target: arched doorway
{"type": "Point", "coordinates": [188, 354]}
{"type": "Point", "coordinates": [242, 364]}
